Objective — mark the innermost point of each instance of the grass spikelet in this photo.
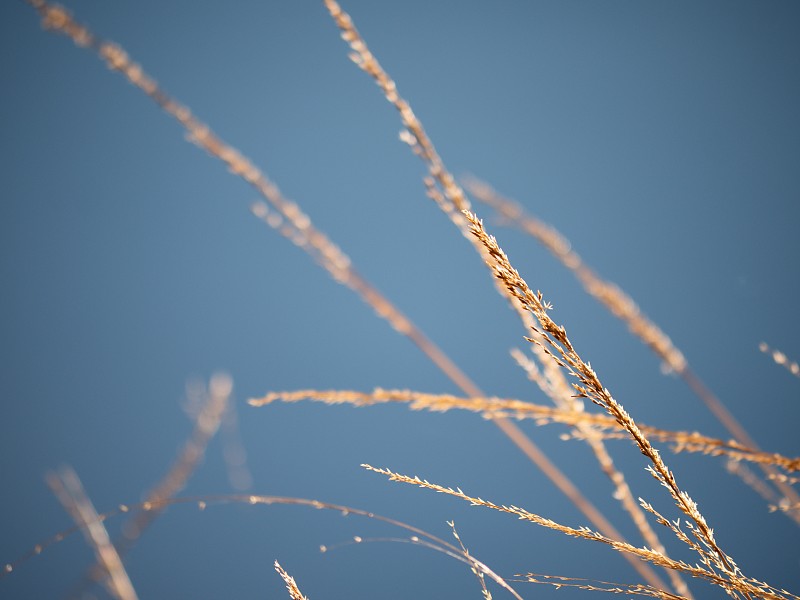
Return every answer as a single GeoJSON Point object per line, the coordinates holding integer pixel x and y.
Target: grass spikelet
{"type": "Point", "coordinates": [589, 385]}
{"type": "Point", "coordinates": [622, 306]}
{"type": "Point", "coordinates": [611, 296]}
{"type": "Point", "coordinates": [418, 536]}
{"type": "Point", "coordinates": [604, 426]}
{"type": "Point", "coordinates": [731, 581]}
{"type": "Point", "coordinates": [291, 585]}
{"type": "Point", "coordinates": [559, 582]}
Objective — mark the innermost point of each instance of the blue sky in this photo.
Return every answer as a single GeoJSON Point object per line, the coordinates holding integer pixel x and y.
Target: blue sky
{"type": "Point", "coordinates": [661, 139]}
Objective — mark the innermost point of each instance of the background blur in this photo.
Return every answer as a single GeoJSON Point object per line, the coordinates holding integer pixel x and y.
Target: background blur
{"type": "Point", "coordinates": [661, 138]}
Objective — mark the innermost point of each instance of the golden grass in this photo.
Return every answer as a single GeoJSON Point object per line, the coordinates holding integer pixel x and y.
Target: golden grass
{"type": "Point", "coordinates": [442, 187]}
{"type": "Point", "coordinates": [622, 306]}
{"type": "Point", "coordinates": [291, 584]}
{"type": "Point", "coordinates": [558, 369]}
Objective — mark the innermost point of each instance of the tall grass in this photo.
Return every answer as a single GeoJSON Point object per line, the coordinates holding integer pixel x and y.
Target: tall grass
{"type": "Point", "coordinates": [237, 310]}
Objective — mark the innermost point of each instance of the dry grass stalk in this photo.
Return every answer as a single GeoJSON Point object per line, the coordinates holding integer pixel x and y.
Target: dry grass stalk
{"type": "Point", "coordinates": [487, 595]}
{"type": "Point", "coordinates": [559, 391]}
{"type": "Point", "coordinates": [590, 387]}
{"type": "Point", "coordinates": [623, 307]}
{"type": "Point", "coordinates": [452, 200]}
{"type": "Point", "coordinates": [403, 325]}
{"type": "Point", "coordinates": [558, 582]}
{"type": "Point", "coordinates": [551, 380]}
{"type": "Point", "coordinates": [416, 135]}
{"type": "Point", "coordinates": [605, 426]}
{"type": "Point", "coordinates": [291, 585]}
{"type": "Point", "coordinates": [608, 294]}
{"type": "Point", "coordinates": [693, 442]}
{"type": "Point", "coordinates": [72, 496]}
{"type": "Point", "coordinates": [781, 359]}
{"type": "Point", "coordinates": [734, 583]}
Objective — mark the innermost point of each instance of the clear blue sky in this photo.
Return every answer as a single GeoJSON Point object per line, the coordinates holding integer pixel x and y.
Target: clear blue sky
{"type": "Point", "coordinates": [662, 138]}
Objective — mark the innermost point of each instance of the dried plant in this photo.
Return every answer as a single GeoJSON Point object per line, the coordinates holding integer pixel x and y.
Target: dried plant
{"type": "Point", "coordinates": [732, 582]}
{"type": "Point", "coordinates": [622, 306]}
{"type": "Point", "coordinates": [605, 426]}
{"type": "Point", "coordinates": [291, 585]}
{"type": "Point", "coordinates": [554, 365]}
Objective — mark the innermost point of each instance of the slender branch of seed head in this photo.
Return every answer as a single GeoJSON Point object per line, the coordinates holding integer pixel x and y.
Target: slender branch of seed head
{"type": "Point", "coordinates": [203, 502]}
{"type": "Point", "coordinates": [419, 536]}
{"type": "Point", "coordinates": [543, 415]}
{"type": "Point", "coordinates": [623, 307]}
{"type": "Point", "coordinates": [365, 60]}
{"type": "Point", "coordinates": [486, 594]}
{"type": "Point", "coordinates": [593, 585]}
{"type": "Point", "coordinates": [608, 294]}
{"type": "Point", "coordinates": [555, 386]}
{"type": "Point", "coordinates": [730, 582]}
{"type": "Point", "coordinates": [589, 385]}
{"type": "Point", "coordinates": [551, 380]}
{"type": "Point", "coordinates": [675, 527]}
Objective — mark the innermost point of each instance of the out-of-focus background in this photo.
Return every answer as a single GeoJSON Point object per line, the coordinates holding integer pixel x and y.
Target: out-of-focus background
{"type": "Point", "coordinates": [662, 139]}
